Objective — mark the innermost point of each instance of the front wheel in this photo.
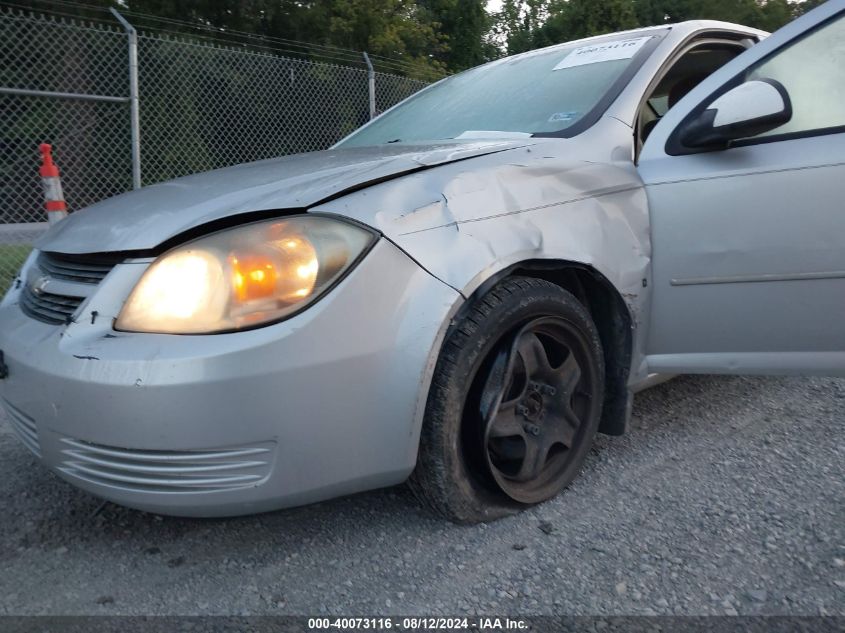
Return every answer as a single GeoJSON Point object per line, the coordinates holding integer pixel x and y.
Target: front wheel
{"type": "Point", "coordinates": [514, 405]}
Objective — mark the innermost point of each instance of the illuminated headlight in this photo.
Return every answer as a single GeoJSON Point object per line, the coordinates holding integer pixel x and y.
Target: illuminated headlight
{"type": "Point", "coordinates": [243, 277]}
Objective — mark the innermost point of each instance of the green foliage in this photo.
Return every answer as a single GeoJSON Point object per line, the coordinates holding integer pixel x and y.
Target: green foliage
{"type": "Point", "coordinates": [581, 18]}
{"type": "Point", "coordinates": [12, 257]}
{"type": "Point", "coordinates": [429, 37]}
{"type": "Point", "coordinates": [519, 23]}
{"type": "Point", "coordinates": [523, 25]}
{"type": "Point", "coordinates": [463, 24]}
{"type": "Point", "coordinates": [391, 28]}
{"type": "Point", "coordinates": [807, 5]}
{"type": "Point", "coordinates": [426, 36]}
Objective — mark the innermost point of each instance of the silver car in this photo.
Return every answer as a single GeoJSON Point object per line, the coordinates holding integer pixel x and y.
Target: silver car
{"type": "Point", "coordinates": [463, 292]}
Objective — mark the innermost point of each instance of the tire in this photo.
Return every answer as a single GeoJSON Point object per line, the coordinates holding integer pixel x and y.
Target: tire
{"type": "Point", "coordinates": [505, 392]}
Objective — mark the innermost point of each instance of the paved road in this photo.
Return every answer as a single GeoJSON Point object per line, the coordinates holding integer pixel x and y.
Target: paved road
{"type": "Point", "coordinates": [727, 497]}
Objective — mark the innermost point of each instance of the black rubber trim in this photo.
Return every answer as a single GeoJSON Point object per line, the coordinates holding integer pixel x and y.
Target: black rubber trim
{"type": "Point", "coordinates": [711, 137]}
{"type": "Point", "coordinates": [791, 136]}
{"type": "Point", "coordinates": [723, 38]}
{"type": "Point", "coordinates": [590, 119]}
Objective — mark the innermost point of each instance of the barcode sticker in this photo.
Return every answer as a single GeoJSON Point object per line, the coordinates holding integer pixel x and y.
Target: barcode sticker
{"type": "Point", "coordinates": [608, 51]}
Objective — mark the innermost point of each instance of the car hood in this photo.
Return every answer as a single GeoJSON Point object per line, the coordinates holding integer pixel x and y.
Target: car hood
{"type": "Point", "coordinates": [142, 220]}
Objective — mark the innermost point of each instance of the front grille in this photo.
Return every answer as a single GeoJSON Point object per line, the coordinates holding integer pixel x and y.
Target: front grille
{"type": "Point", "coordinates": [88, 270]}
{"type": "Point", "coordinates": [167, 471]}
{"type": "Point", "coordinates": [47, 307]}
{"type": "Point", "coordinates": [24, 427]}
{"type": "Point", "coordinates": [72, 272]}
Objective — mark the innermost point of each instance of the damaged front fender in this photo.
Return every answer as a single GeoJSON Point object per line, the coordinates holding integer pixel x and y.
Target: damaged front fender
{"type": "Point", "coordinates": [468, 222]}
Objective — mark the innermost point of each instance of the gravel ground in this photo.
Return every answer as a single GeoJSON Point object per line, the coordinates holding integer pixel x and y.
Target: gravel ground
{"type": "Point", "coordinates": [726, 497]}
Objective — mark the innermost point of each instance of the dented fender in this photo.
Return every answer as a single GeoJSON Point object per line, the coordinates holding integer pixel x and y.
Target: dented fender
{"type": "Point", "coordinates": [467, 222]}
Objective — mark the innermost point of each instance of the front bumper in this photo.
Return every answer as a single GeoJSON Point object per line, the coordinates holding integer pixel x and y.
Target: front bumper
{"type": "Point", "coordinates": [324, 404]}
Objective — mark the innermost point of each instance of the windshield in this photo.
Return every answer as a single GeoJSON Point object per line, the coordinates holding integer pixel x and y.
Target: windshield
{"type": "Point", "coordinates": [545, 91]}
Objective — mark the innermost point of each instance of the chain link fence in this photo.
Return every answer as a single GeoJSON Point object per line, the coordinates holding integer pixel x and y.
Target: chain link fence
{"type": "Point", "coordinates": [202, 105]}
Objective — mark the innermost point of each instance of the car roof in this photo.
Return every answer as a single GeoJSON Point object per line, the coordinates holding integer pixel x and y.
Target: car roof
{"type": "Point", "coordinates": [684, 28]}
{"type": "Point", "coordinates": [678, 31]}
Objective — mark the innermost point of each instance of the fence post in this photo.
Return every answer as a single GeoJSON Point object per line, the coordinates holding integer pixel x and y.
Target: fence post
{"type": "Point", "coordinates": [134, 115]}
{"type": "Point", "coordinates": [371, 82]}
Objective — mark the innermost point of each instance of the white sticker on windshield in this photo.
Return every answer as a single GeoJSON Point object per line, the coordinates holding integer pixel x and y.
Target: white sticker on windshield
{"type": "Point", "coordinates": [563, 117]}
{"type": "Point", "coordinates": [609, 51]}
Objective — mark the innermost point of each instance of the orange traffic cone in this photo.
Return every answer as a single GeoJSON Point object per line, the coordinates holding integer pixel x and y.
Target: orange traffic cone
{"type": "Point", "coordinates": [54, 199]}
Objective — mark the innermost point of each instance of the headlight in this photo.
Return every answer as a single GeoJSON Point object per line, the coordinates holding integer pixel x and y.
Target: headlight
{"type": "Point", "coordinates": [243, 277]}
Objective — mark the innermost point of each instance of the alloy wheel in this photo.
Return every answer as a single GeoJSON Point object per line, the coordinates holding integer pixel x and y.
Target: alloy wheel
{"type": "Point", "coordinates": [538, 394]}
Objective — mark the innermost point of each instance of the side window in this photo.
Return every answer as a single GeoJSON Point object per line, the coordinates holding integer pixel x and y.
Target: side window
{"type": "Point", "coordinates": [813, 72]}
{"type": "Point", "coordinates": [693, 67]}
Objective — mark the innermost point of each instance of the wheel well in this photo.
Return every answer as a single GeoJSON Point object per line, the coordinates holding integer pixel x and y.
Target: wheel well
{"type": "Point", "coordinates": [612, 318]}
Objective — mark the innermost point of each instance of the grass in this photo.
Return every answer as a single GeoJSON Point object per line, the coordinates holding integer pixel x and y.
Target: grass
{"type": "Point", "coordinates": [12, 257]}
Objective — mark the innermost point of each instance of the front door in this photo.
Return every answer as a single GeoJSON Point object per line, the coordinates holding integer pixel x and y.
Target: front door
{"type": "Point", "coordinates": [748, 266]}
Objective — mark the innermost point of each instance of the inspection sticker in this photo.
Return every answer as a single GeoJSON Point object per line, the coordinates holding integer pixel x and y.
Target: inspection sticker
{"type": "Point", "coordinates": [563, 117]}
{"type": "Point", "coordinates": [608, 51]}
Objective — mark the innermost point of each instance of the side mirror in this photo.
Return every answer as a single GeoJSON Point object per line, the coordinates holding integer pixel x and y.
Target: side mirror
{"type": "Point", "coordinates": [751, 108]}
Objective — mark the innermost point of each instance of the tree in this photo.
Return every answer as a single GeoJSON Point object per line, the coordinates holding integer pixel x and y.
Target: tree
{"type": "Point", "coordinates": [574, 19]}
{"type": "Point", "coordinates": [451, 35]}
{"type": "Point", "coordinates": [464, 25]}
{"type": "Point", "coordinates": [518, 24]}
{"type": "Point", "coordinates": [391, 28]}
{"type": "Point", "coordinates": [398, 29]}
{"type": "Point", "coordinates": [807, 5]}
{"type": "Point", "coordinates": [769, 15]}
{"type": "Point", "coordinates": [652, 12]}
{"type": "Point", "coordinates": [774, 14]}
